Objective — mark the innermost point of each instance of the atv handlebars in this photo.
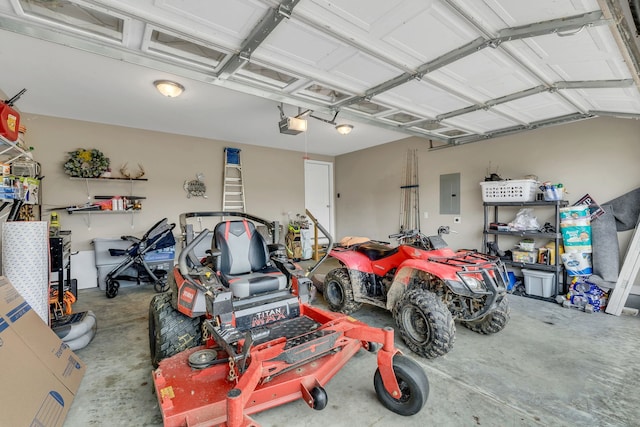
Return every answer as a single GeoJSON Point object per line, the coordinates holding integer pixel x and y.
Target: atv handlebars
{"type": "Point", "coordinates": [415, 238]}
{"type": "Point", "coordinates": [443, 229]}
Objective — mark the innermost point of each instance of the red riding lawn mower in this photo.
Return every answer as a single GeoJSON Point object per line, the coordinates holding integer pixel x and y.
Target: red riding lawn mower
{"type": "Point", "coordinates": [235, 334]}
{"type": "Point", "coordinates": [425, 284]}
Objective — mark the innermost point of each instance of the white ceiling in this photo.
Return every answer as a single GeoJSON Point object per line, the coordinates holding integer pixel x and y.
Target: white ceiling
{"type": "Point", "coordinates": [451, 71]}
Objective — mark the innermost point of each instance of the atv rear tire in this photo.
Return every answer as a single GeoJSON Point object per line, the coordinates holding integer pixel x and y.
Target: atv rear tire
{"type": "Point", "coordinates": [413, 383]}
{"type": "Point", "coordinates": [170, 332]}
{"type": "Point", "coordinates": [492, 322]}
{"type": "Point", "coordinates": [338, 291]}
{"type": "Point", "coordinates": [425, 323]}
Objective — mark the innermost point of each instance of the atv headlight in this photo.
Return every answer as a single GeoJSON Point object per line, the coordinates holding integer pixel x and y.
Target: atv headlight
{"type": "Point", "coordinates": [473, 283]}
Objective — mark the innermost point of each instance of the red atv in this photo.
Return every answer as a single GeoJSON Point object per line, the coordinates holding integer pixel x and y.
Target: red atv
{"type": "Point", "coordinates": [425, 284]}
{"type": "Point", "coordinates": [235, 333]}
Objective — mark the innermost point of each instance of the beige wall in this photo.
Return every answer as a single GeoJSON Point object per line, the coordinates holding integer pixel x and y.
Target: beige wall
{"type": "Point", "coordinates": [597, 156]}
{"type": "Point", "coordinates": [274, 179]}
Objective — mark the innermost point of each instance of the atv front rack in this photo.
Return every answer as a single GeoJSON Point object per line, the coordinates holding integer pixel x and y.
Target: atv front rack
{"type": "Point", "coordinates": [488, 267]}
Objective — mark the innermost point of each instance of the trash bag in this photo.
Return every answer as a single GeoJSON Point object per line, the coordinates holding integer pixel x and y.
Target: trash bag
{"type": "Point", "coordinates": [525, 220]}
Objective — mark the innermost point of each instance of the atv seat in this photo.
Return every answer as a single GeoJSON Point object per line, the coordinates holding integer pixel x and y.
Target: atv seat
{"type": "Point", "coordinates": [375, 251]}
{"type": "Point", "coordinates": [244, 264]}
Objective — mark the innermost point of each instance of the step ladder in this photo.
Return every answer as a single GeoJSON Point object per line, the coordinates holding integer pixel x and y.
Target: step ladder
{"type": "Point", "coordinates": [233, 191]}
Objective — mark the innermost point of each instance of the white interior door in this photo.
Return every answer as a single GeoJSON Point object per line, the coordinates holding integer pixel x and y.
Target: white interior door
{"type": "Point", "coordinates": [318, 192]}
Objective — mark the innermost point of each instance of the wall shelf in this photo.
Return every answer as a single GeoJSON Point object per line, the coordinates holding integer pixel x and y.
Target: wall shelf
{"type": "Point", "coordinates": [108, 179]}
{"type": "Point", "coordinates": [90, 207]}
{"type": "Point", "coordinates": [101, 212]}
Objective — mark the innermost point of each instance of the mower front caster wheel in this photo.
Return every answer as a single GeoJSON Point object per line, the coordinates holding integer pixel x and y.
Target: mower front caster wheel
{"type": "Point", "coordinates": [371, 347]}
{"type": "Point", "coordinates": [112, 288]}
{"type": "Point", "coordinates": [414, 387]}
{"type": "Point", "coordinates": [320, 398]}
{"type": "Point", "coordinates": [161, 285]}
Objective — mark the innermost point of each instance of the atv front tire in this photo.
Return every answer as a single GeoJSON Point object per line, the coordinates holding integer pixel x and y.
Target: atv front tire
{"type": "Point", "coordinates": [425, 323]}
{"type": "Point", "coordinates": [414, 387]}
{"type": "Point", "coordinates": [170, 332]}
{"type": "Point", "coordinates": [492, 322]}
{"type": "Point", "coordinates": [338, 292]}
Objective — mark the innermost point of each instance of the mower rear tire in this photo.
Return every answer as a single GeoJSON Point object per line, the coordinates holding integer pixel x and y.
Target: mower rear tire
{"type": "Point", "coordinates": [170, 332]}
{"type": "Point", "coordinates": [493, 322]}
{"type": "Point", "coordinates": [338, 291]}
{"type": "Point", "coordinates": [414, 387]}
{"type": "Point", "coordinates": [425, 323]}
{"type": "Point", "coordinates": [320, 398]}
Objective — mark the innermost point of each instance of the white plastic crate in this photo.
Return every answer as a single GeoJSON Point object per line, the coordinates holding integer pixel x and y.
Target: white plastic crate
{"type": "Point", "coordinates": [516, 190]}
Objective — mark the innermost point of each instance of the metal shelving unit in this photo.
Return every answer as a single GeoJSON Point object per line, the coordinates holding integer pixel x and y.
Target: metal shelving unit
{"type": "Point", "coordinates": [556, 237]}
{"type": "Point", "coordinates": [10, 152]}
{"type": "Point", "coordinates": [12, 149]}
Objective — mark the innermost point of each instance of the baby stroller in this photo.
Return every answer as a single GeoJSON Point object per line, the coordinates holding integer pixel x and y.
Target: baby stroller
{"type": "Point", "coordinates": [134, 267]}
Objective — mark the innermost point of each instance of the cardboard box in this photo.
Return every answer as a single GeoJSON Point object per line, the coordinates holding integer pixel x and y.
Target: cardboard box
{"type": "Point", "coordinates": [40, 374]}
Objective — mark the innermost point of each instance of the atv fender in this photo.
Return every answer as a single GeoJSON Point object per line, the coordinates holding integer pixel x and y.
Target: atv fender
{"type": "Point", "coordinates": [353, 260]}
{"type": "Point", "coordinates": [410, 269]}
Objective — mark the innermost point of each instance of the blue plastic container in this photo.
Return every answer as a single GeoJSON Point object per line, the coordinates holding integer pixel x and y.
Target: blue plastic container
{"type": "Point", "coordinates": [233, 156]}
{"type": "Point", "coordinates": [512, 280]}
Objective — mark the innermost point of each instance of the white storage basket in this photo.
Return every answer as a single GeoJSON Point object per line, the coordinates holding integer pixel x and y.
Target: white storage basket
{"type": "Point", "coordinates": [517, 190]}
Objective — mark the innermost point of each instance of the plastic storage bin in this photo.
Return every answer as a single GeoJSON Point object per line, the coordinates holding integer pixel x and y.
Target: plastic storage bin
{"type": "Point", "coordinates": [539, 283]}
{"type": "Point", "coordinates": [529, 257]}
{"type": "Point", "coordinates": [233, 156]}
{"type": "Point", "coordinates": [517, 190]}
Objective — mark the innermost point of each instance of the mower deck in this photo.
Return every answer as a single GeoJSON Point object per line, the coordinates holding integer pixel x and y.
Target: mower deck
{"type": "Point", "coordinates": [297, 359]}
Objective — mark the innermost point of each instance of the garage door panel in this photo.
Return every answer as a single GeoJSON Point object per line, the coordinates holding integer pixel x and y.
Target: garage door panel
{"type": "Point", "coordinates": [431, 33]}
{"type": "Point", "coordinates": [487, 74]}
{"type": "Point", "coordinates": [299, 43]}
{"type": "Point", "coordinates": [424, 97]}
{"type": "Point", "coordinates": [587, 55]}
{"type": "Point", "coordinates": [536, 107]}
{"type": "Point", "coordinates": [623, 100]}
{"type": "Point", "coordinates": [232, 21]}
{"type": "Point", "coordinates": [498, 14]}
{"type": "Point", "coordinates": [482, 121]}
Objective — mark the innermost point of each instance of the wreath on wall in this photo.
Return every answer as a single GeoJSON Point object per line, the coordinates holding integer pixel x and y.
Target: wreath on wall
{"type": "Point", "coordinates": [86, 163]}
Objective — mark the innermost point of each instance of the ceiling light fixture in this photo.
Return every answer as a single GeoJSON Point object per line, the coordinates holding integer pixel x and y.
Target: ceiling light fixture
{"type": "Point", "coordinates": [344, 129]}
{"type": "Point", "coordinates": [169, 88]}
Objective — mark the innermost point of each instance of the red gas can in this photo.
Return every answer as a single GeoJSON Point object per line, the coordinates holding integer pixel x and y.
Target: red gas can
{"type": "Point", "coordinates": [9, 122]}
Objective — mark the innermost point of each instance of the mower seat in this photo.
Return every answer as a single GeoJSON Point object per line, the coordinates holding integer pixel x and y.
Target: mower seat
{"type": "Point", "coordinates": [243, 263]}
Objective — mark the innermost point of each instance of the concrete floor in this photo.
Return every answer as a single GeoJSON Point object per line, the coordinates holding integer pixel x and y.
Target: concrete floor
{"type": "Point", "coordinates": [550, 366]}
